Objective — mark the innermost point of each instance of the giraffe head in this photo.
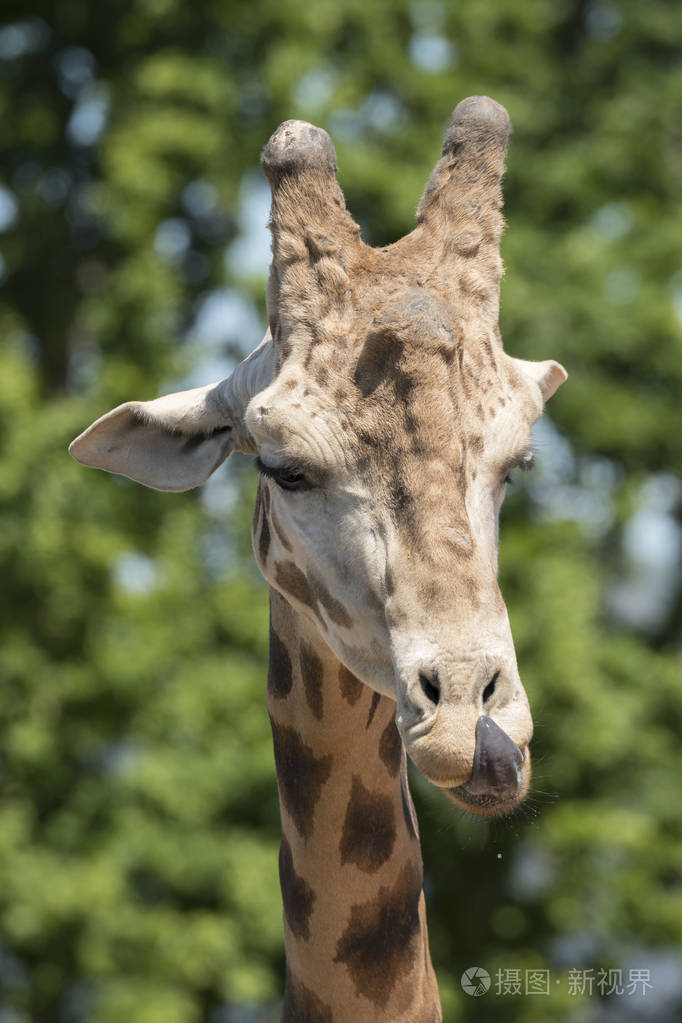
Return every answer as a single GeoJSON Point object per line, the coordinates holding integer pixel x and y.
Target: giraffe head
{"type": "Point", "coordinates": [386, 418]}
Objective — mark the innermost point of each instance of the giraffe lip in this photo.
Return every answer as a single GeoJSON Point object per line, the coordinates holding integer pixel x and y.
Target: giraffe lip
{"type": "Point", "coordinates": [502, 793]}
{"type": "Point", "coordinates": [486, 805]}
{"type": "Point", "coordinates": [449, 784]}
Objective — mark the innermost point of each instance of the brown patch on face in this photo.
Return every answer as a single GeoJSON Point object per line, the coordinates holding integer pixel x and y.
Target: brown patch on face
{"type": "Point", "coordinates": [260, 527]}
{"type": "Point", "coordinates": [367, 438]}
{"type": "Point", "coordinates": [280, 678]}
{"type": "Point", "coordinates": [377, 947]}
{"type": "Point", "coordinates": [460, 551]}
{"type": "Point", "coordinates": [300, 776]}
{"type": "Point", "coordinates": [429, 592]}
{"type": "Point", "coordinates": [460, 474]}
{"type": "Point", "coordinates": [301, 1005]}
{"type": "Point", "coordinates": [417, 447]}
{"type": "Point", "coordinates": [489, 351]}
{"type": "Point", "coordinates": [376, 699]}
{"type": "Point", "coordinates": [258, 507]}
{"type": "Point", "coordinates": [403, 509]}
{"type": "Point", "coordinates": [264, 540]}
{"type": "Point", "coordinates": [321, 375]}
{"type": "Point", "coordinates": [310, 591]}
{"type": "Point", "coordinates": [391, 748]}
{"type": "Point", "coordinates": [297, 895]}
{"type": "Point", "coordinates": [369, 830]}
{"type": "Point", "coordinates": [293, 582]}
{"type": "Point", "coordinates": [312, 673]}
{"type": "Point", "coordinates": [374, 601]}
{"type": "Point", "coordinates": [334, 609]}
{"type": "Point", "coordinates": [475, 442]}
{"type": "Point", "coordinates": [471, 589]}
{"type": "Point", "coordinates": [447, 353]}
{"type": "Point", "coordinates": [378, 362]}
{"type": "Point", "coordinates": [266, 497]}
{"type": "Point", "coordinates": [351, 687]}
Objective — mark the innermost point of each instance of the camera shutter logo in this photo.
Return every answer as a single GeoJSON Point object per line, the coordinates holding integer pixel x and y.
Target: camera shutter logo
{"type": "Point", "coordinates": [475, 981]}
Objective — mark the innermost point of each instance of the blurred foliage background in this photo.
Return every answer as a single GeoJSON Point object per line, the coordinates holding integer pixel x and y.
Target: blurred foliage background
{"type": "Point", "coordinates": [138, 815]}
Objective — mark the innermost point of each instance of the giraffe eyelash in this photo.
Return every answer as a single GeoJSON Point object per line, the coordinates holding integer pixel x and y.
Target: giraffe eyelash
{"type": "Point", "coordinates": [525, 463]}
{"type": "Point", "coordinates": [288, 477]}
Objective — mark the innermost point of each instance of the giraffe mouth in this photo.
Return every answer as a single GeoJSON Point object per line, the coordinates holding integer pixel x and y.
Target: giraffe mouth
{"type": "Point", "coordinates": [498, 776]}
{"type": "Point", "coordinates": [495, 800]}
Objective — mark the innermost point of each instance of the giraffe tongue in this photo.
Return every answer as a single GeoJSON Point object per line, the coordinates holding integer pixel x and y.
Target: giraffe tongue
{"type": "Point", "coordinates": [496, 761]}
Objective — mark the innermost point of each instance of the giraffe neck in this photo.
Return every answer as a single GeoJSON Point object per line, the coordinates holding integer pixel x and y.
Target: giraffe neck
{"type": "Point", "coordinates": [350, 860]}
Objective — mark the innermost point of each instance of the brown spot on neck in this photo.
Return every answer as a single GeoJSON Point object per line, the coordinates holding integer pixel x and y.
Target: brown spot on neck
{"type": "Point", "coordinates": [301, 1005]}
{"type": "Point", "coordinates": [297, 895]}
{"type": "Point", "coordinates": [351, 687]}
{"type": "Point", "coordinates": [391, 748]}
{"type": "Point", "coordinates": [280, 678]}
{"type": "Point", "coordinates": [312, 676]}
{"type": "Point", "coordinates": [300, 776]}
{"type": "Point", "coordinates": [369, 829]}
{"type": "Point", "coordinates": [377, 946]}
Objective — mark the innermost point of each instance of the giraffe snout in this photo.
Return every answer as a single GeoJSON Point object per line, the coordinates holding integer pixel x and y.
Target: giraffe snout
{"type": "Point", "coordinates": [487, 686]}
{"type": "Point", "coordinates": [467, 725]}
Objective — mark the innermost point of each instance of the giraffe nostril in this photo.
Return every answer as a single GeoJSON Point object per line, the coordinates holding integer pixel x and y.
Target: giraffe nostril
{"type": "Point", "coordinates": [430, 687]}
{"type": "Point", "coordinates": [490, 688]}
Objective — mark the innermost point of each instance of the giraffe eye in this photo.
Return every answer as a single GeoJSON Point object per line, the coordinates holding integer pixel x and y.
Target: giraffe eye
{"type": "Point", "coordinates": [285, 476]}
{"type": "Point", "coordinates": [288, 479]}
{"type": "Point", "coordinates": [525, 463]}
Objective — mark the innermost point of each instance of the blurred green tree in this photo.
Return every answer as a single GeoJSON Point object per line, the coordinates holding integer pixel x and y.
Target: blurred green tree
{"type": "Point", "coordinates": [138, 817]}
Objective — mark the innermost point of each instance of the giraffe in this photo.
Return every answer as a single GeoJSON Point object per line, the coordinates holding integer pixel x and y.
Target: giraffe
{"type": "Point", "coordinates": [385, 417]}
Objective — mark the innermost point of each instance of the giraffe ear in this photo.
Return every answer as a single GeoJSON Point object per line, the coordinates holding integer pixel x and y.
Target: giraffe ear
{"type": "Point", "coordinates": [176, 442]}
{"type": "Point", "coordinates": [171, 443]}
{"type": "Point", "coordinates": [548, 375]}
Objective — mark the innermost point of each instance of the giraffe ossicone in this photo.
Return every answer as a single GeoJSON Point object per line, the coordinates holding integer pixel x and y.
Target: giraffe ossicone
{"type": "Point", "coordinates": [386, 418]}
